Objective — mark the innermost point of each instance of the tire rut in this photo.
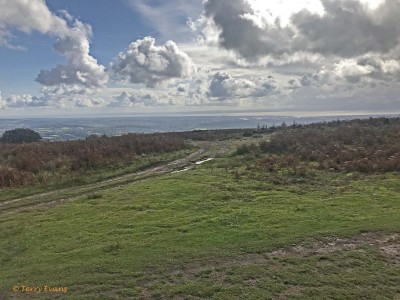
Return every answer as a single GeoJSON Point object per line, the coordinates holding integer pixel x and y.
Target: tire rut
{"type": "Point", "coordinates": [52, 198]}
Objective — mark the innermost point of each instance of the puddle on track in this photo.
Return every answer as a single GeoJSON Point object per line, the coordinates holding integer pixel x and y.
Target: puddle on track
{"type": "Point", "coordinates": [203, 161]}
{"type": "Point", "coordinates": [190, 167]}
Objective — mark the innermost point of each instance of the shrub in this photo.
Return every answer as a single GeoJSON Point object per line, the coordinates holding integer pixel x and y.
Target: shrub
{"type": "Point", "coordinates": [248, 133]}
{"type": "Point", "coordinates": [20, 135]}
{"type": "Point", "coordinates": [366, 146]}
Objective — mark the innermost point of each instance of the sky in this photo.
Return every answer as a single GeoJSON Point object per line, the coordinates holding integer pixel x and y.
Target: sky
{"type": "Point", "coordinates": [93, 57]}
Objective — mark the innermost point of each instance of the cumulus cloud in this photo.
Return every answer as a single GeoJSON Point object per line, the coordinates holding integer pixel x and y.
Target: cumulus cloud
{"type": "Point", "coordinates": [370, 66]}
{"type": "Point", "coordinates": [62, 96]}
{"type": "Point", "coordinates": [224, 86]}
{"type": "Point", "coordinates": [201, 90]}
{"type": "Point", "coordinates": [144, 62]}
{"type": "Point", "coordinates": [364, 70]}
{"type": "Point", "coordinates": [82, 68]}
{"type": "Point", "coordinates": [24, 100]}
{"type": "Point", "coordinates": [140, 98]}
{"type": "Point", "coordinates": [64, 90]}
{"type": "Point", "coordinates": [28, 16]}
{"type": "Point", "coordinates": [349, 28]}
{"type": "Point", "coordinates": [128, 100]}
{"type": "Point", "coordinates": [180, 92]}
{"type": "Point", "coordinates": [345, 28]}
{"type": "Point", "coordinates": [72, 36]}
{"type": "Point", "coordinates": [89, 102]}
{"type": "Point", "coordinates": [242, 29]}
{"type": "Point", "coordinates": [70, 95]}
{"type": "Point", "coordinates": [338, 51]}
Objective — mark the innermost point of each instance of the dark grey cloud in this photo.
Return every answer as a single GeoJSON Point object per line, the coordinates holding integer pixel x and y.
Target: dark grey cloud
{"type": "Point", "coordinates": [348, 28]}
{"type": "Point", "coordinates": [239, 31]}
{"type": "Point", "coordinates": [181, 89]}
{"type": "Point", "coordinates": [144, 62]}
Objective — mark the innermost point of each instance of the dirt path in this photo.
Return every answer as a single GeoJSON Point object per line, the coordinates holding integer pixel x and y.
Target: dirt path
{"type": "Point", "coordinates": [52, 198]}
{"type": "Point", "coordinates": [387, 245]}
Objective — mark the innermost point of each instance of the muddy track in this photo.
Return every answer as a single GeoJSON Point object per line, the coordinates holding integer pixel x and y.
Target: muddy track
{"type": "Point", "coordinates": [52, 198]}
{"type": "Point", "coordinates": [388, 245]}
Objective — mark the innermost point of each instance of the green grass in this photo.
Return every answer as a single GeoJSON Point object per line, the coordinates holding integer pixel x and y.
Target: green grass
{"type": "Point", "coordinates": [205, 233]}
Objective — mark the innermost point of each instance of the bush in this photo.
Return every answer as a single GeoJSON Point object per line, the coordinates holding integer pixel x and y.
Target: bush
{"type": "Point", "coordinates": [20, 135]}
{"type": "Point", "coordinates": [366, 146]}
{"type": "Point", "coordinates": [248, 133]}
{"type": "Point", "coordinates": [246, 148]}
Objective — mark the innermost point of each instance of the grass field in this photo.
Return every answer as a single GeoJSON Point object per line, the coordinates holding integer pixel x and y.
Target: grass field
{"type": "Point", "coordinates": [217, 231]}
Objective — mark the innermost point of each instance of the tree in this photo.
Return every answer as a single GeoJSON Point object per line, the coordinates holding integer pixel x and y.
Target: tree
{"type": "Point", "coordinates": [20, 135]}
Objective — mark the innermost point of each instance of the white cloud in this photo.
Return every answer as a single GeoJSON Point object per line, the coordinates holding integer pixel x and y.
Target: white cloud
{"type": "Point", "coordinates": [362, 70]}
{"type": "Point", "coordinates": [72, 95]}
{"type": "Point", "coordinates": [24, 100]}
{"type": "Point", "coordinates": [2, 102]}
{"type": "Point", "coordinates": [72, 36]}
{"type": "Point", "coordinates": [82, 68]}
{"type": "Point", "coordinates": [146, 63]}
{"type": "Point", "coordinates": [64, 90]}
{"type": "Point", "coordinates": [57, 97]}
{"type": "Point", "coordinates": [128, 100]}
{"type": "Point", "coordinates": [28, 16]}
{"type": "Point", "coordinates": [89, 102]}
{"type": "Point", "coordinates": [351, 70]}
{"type": "Point", "coordinates": [140, 98]}
{"type": "Point", "coordinates": [284, 9]}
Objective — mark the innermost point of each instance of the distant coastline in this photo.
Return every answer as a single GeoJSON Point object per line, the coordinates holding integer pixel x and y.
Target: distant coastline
{"type": "Point", "coordinates": [80, 128]}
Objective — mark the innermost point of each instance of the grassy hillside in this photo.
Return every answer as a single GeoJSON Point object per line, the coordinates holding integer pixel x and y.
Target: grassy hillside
{"type": "Point", "coordinates": [231, 228]}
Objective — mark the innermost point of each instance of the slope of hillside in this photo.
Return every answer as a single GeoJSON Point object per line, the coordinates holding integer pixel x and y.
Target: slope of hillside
{"type": "Point", "coordinates": [229, 228]}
